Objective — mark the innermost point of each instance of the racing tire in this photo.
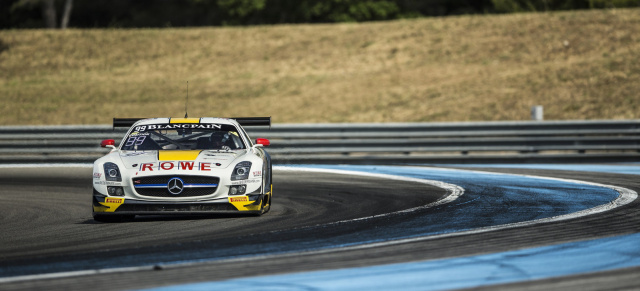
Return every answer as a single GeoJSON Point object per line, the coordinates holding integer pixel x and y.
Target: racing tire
{"type": "Point", "coordinates": [266, 200]}
{"type": "Point", "coordinates": [263, 209]}
{"type": "Point", "coordinates": [265, 206]}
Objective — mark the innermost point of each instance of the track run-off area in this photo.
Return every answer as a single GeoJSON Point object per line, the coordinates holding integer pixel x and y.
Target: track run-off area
{"type": "Point", "coordinates": [339, 228]}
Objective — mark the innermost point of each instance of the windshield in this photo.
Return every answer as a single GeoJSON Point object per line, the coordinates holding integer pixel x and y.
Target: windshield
{"type": "Point", "coordinates": [183, 136]}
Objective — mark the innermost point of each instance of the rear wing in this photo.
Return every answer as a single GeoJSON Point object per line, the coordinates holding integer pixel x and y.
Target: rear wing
{"type": "Point", "coordinates": [244, 121]}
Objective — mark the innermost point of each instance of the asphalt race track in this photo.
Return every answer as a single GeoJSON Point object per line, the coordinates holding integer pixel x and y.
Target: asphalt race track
{"type": "Point", "coordinates": [315, 224]}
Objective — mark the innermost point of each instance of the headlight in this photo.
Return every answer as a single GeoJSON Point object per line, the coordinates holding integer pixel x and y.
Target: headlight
{"type": "Point", "coordinates": [241, 171]}
{"type": "Point", "coordinates": [237, 189]}
{"type": "Point", "coordinates": [115, 190]}
{"type": "Point", "coordinates": [111, 172]}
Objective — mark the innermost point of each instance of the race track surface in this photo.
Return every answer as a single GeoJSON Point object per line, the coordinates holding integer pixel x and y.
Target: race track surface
{"type": "Point", "coordinates": [47, 227]}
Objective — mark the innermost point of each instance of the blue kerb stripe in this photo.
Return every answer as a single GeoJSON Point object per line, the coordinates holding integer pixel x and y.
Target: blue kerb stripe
{"type": "Point", "coordinates": [466, 272]}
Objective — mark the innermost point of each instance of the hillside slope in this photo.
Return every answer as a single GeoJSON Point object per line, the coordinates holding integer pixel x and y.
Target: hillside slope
{"type": "Point", "coordinates": [578, 65]}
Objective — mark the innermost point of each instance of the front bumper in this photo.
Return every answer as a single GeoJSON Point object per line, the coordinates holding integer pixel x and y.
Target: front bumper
{"type": "Point", "coordinates": [105, 205]}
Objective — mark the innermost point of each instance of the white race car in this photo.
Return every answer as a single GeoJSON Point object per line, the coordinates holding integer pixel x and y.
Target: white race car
{"type": "Point", "coordinates": [183, 166]}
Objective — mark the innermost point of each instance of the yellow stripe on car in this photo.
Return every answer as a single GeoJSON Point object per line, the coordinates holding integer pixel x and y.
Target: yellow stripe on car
{"type": "Point", "coordinates": [177, 155]}
{"type": "Point", "coordinates": [184, 120]}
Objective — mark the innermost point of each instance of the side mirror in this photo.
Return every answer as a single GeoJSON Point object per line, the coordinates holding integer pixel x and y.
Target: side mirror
{"type": "Point", "coordinates": [263, 142]}
{"type": "Point", "coordinates": [108, 143]}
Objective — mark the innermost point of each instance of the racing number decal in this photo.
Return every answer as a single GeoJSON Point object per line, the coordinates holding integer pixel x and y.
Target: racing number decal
{"type": "Point", "coordinates": [135, 140]}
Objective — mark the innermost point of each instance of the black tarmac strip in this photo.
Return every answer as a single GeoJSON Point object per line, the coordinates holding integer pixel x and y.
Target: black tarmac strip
{"type": "Point", "coordinates": [46, 219]}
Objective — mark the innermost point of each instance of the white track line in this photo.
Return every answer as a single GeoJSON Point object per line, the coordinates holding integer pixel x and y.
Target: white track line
{"type": "Point", "coordinates": [453, 191]}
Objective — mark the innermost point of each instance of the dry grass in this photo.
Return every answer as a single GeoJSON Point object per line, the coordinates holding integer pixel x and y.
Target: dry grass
{"type": "Point", "coordinates": [579, 65]}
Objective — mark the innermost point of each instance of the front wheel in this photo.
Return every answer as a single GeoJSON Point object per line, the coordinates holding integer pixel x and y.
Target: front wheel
{"type": "Point", "coordinates": [266, 181]}
{"type": "Point", "coordinates": [266, 204]}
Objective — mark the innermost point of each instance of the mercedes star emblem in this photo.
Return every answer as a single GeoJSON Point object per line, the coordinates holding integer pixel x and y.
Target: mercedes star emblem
{"type": "Point", "coordinates": [175, 186]}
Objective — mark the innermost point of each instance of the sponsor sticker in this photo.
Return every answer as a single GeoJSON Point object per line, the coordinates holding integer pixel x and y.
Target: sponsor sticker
{"type": "Point", "coordinates": [108, 183]}
{"type": "Point", "coordinates": [177, 165]}
{"type": "Point", "coordinates": [97, 175]}
{"type": "Point", "coordinates": [257, 173]}
{"type": "Point", "coordinates": [239, 199]}
{"type": "Point", "coordinates": [245, 182]}
{"type": "Point", "coordinates": [113, 200]}
{"type": "Point", "coordinates": [138, 133]}
{"type": "Point", "coordinates": [177, 126]}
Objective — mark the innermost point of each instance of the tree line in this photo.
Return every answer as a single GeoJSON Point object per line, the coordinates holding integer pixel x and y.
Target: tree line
{"type": "Point", "coordinates": [180, 13]}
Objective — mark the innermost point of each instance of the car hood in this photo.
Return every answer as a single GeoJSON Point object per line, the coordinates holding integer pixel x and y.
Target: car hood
{"type": "Point", "coordinates": [134, 159]}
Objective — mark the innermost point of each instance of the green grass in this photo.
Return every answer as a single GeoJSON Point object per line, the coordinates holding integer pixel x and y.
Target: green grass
{"type": "Point", "coordinates": [578, 65]}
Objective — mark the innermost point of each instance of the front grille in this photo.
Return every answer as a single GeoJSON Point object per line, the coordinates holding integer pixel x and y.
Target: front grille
{"type": "Point", "coordinates": [164, 179]}
{"type": "Point", "coordinates": [156, 186]}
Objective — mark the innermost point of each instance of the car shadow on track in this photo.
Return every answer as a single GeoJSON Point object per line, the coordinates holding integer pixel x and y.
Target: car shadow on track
{"type": "Point", "coordinates": [154, 218]}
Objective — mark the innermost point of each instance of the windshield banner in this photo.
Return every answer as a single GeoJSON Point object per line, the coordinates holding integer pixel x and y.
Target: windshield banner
{"type": "Point", "coordinates": [177, 126]}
